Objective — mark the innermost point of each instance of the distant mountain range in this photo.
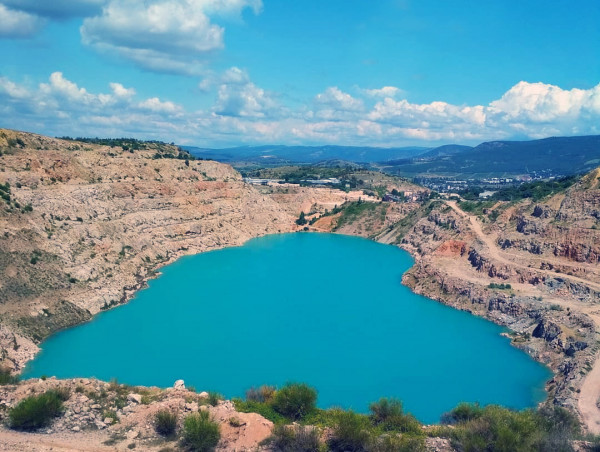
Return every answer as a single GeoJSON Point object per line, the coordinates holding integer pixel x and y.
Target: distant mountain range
{"type": "Point", "coordinates": [279, 154]}
{"type": "Point", "coordinates": [550, 156]}
{"type": "Point", "coordinates": [557, 155]}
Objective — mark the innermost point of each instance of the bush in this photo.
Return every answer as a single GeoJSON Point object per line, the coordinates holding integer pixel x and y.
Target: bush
{"type": "Point", "coordinates": [263, 394]}
{"type": "Point", "coordinates": [165, 422]}
{"type": "Point", "coordinates": [388, 414]}
{"type": "Point", "coordinates": [36, 412]}
{"type": "Point", "coordinates": [63, 394]}
{"type": "Point", "coordinates": [499, 429]}
{"type": "Point", "coordinates": [295, 400]}
{"type": "Point", "coordinates": [389, 443]}
{"type": "Point", "coordinates": [295, 439]}
{"type": "Point", "coordinates": [6, 378]}
{"type": "Point", "coordinates": [559, 428]}
{"type": "Point", "coordinates": [214, 398]}
{"type": "Point", "coordinates": [462, 413]}
{"type": "Point", "coordinates": [200, 433]}
{"type": "Point", "coordinates": [351, 432]}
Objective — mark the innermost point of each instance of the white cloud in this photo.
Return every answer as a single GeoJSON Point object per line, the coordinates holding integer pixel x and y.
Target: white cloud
{"type": "Point", "coordinates": [162, 35]}
{"type": "Point", "coordinates": [12, 90]}
{"type": "Point", "coordinates": [246, 113]}
{"type": "Point", "coordinates": [57, 9]}
{"type": "Point", "coordinates": [154, 104]}
{"type": "Point", "coordinates": [238, 96]}
{"type": "Point", "coordinates": [386, 91]}
{"type": "Point", "coordinates": [18, 24]}
{"type": "Point", "coordinates": [539, 102]}
{"type": "Point", "coordinates": [335, 99]}
{"type": "Point", "coordinates": [120, 91]}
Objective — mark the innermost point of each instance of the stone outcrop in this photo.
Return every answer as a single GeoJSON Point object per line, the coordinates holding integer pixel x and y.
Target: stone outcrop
{"type": "Point", "coordinates": [98, 413]}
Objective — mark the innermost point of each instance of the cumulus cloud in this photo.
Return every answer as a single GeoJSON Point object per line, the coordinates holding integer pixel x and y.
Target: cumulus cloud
{"type": "Point", "coordinates": [246, 113]}
{"type": "Point", "coordinates": [386, 91]}
{"type": "Point", "coordinates": [238, 96]}
{"type": "Point", "coordinates": [57, 9]}
{"type": "Point", "coordinates": [335, 99]}
{"type": "Point", "coordinates": [162, 35]}
{"type": "Point", "coordinates": [156, 105]}
{"type": "Point", "coordinates": [18, 24]}
{"type": "Point", "coordinates": [538, 102]}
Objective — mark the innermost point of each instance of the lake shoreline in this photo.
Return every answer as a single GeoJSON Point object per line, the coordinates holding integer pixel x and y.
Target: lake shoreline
{"type": "Point", "coordinates": [410, 261]}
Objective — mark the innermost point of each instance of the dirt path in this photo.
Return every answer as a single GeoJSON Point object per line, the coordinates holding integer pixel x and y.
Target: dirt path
{"type": "Point", "coordinates": [590, 390]}
{"type": "Point", "coordinates": [39, 442]}
{"type": "Point", "coordinates": [499, 256]}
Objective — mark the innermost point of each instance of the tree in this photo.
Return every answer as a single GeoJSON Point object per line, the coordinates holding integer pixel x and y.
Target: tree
{"type": "Point", "coordinates": [301, 221]}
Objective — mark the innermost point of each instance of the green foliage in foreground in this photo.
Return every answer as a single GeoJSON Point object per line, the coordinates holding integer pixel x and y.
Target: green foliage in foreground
{"type": "Point", "coordinates": [200, 433]}
{"type": "Point", "coordinates": [295, 400]}
{"type": "Point", "coordinates": [296, 438]}
{"type": "Point", "coordinates": [6, 378]}
{"type": "Point", "coordinates": [494, 428]}
{"type": "Point", "coordinates": [470, 427]}
{"type": "Point", "coordinates": [165, 422]}
{"type": "Point", "coordinates": [35, 412]}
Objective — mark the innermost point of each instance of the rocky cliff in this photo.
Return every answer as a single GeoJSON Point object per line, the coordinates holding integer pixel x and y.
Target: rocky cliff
{"type": "Point", "coordinates": [84, 225]}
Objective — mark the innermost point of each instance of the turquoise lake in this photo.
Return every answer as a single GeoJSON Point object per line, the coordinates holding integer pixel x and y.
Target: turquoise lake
{"type": "Point", "coordinates": [324, 309]}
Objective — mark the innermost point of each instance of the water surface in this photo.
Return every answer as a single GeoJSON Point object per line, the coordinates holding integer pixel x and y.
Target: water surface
{"type": "Point", "coordinates": [324, 309]}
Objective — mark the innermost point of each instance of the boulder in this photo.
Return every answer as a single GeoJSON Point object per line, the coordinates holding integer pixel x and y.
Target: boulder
{"type": "Point", "coordinates": [134, 398]}
{"type": "Point", "coordinates": [179, 384]}
{"type": "Point", "coordinates": [547, 330]}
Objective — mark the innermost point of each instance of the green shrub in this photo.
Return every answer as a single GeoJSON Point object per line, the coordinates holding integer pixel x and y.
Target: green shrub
{"type": "Point", "coordinates": [396, 443]}
{"type": "Point", "coordinates": [262, 408]}
{"type": "Point", "coordinates": [200, 433]}
{"type": "Point", "coordinates": [295, 400]}
{"type": "Point", "coordinates": [351, 432]}
{"type": "Point", "coordinates": [36, 412]}
{"type": "Point", "coordinates": [263, 394]}
{"type": "Point", "coordinates": [214, 398]}
{"type": "Point", "coordinates": [559, 428]}
{"type": "Point", "coordinates": [499, 429]}
{"type": "Point", "coordinates": [63, 394]}
{"type": "Point", "coordinates": [388, 414]}
{"type": "Point", "coordinates": [462, 413]}
{"type": "Point", "coordinates": [165, 422]}
{"type": "Point", "coordinates": [295, 439]}
{"type": "Point", "coordinates": [6, 378]}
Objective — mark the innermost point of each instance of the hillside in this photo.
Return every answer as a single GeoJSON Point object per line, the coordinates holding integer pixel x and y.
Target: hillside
{"type": "Point", "coordinates": [553, 156]}
{"type": "Point", "coordinates": [84, 225]}
{"type": "Point", "coordinates": [533, 265]}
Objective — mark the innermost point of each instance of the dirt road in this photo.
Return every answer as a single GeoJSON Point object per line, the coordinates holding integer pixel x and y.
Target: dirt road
{"type": "Point", "coordinates": [590, 390]}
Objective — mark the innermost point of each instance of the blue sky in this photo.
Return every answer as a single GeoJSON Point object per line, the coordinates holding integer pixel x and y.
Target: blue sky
{"type": "Point", "coordinates": [353, 72]}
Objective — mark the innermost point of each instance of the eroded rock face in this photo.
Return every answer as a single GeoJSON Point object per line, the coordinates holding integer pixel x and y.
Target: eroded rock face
{"type": "Point", "coordinates": [546, 330]}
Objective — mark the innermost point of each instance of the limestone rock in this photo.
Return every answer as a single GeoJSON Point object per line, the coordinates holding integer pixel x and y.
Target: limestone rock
{"type": "Point", "coordinates": [547, 330]}
{"type": "Point", "coordinates": [134, 398]}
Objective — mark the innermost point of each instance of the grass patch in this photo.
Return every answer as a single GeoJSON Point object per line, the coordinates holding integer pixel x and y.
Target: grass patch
{"type": "Point", "coordinates": [35, 412]}
{"type": "Point", "coordinates": [165, 422]}
{"type": "Point", "coordinates": [352, 210]}
{"type": "Point", "coordinates": [296, 438]}
{"type": "Point", "coordinates": [262, 408]}
{"type": "Point", "coordinates": [6, 378]}
{"type": "Point", "coordinates": [200, 433]}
